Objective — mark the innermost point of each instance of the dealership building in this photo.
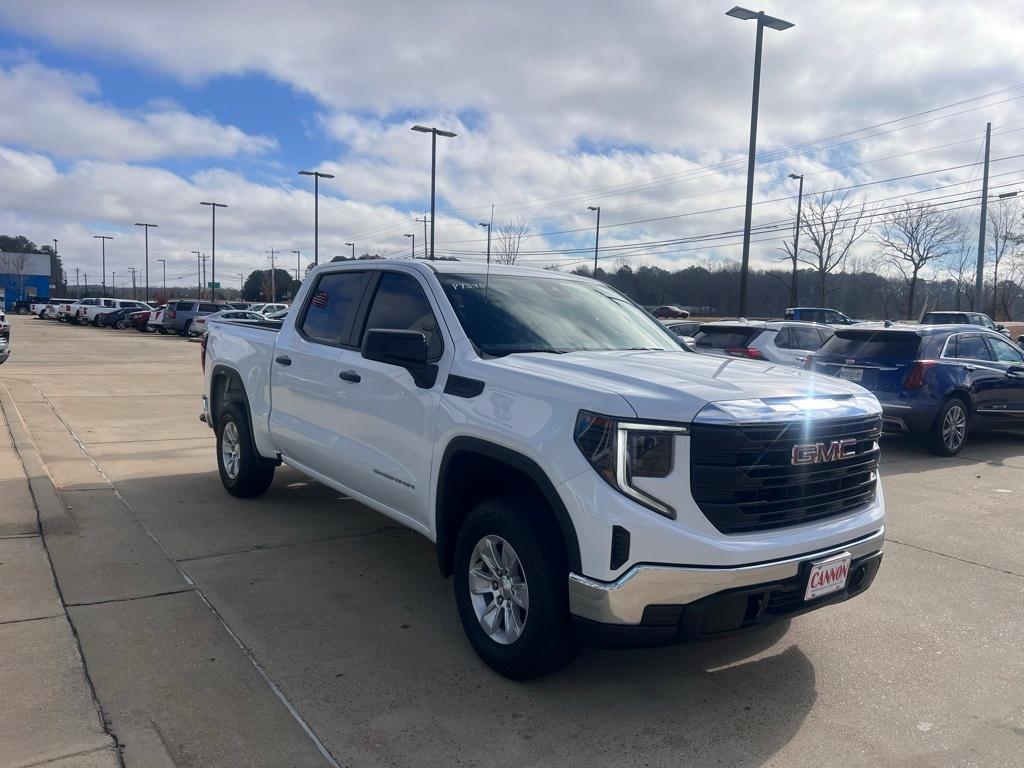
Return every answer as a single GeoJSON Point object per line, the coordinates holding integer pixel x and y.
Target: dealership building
{"type": "Point", "coordinates": [23, 276]}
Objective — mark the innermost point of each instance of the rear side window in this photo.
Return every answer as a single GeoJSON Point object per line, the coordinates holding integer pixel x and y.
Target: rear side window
{"type": "Point", "coordinates": [932, 318]}
{"type": "Point", "coordinates": [968, 346]}
{"type": "Point", "coordinates": [209, 308]}
{"type": "Point", "coordinates": [724, 337]}
{"type": "Point", "coordinates": [796, 337]}
{"type": "Point", "coordinates": [872, 344]}
{"type": "Point", "coordinates": [332, 307]}
{"type": "Point", "coordinates": [181, 306]}
{"type": "Point", "coordinates": [401, 305]}
{"type": "Point", "coordinates": [1004, 351]}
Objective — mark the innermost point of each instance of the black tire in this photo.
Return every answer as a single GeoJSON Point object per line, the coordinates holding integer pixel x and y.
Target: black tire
{"type": "Point", "coordinates": [254, 474]}
{"type": "Point", "coordinates": [547, 642]}
{"type": "Point", "coordinates": [161, 330]}
{"type": "Point", "coordinates": [121, 325]}
{"type": "Point", "coordinates": [186, 330]}
{"type": "Point", "coordinates": [951, 428]}
{"type": "Point", "coordinates": [22, 311]}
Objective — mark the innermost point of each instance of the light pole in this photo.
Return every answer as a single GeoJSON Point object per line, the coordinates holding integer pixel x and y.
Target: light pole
{"type": "Point", "coordinates": [273, 284]}
{"type": "Point", "coordinates": [317, 175]}
{"type": "Point", "coordinates": [488, 225]}
{"type": "Point", "coordinates": [424, 221]}
{"type": "Point", "coordinates": [413, 245]}
{"type": "Point", "coordinates": [199, 275]}
{"type": "Point", "coordinates": [434, 133]}
{"type": "Point", "coordinates": [164, 262]}
{"type": "Point", "coordinates": [995, 272]}
{"type": "Point", "coordinates": [147, 227]}
{"type": "Point", "coordinates": [53, 270]}
{"type": "Point", "coordinates": [298, 265]}
{"type": "Point", "coordinates": [113, 284]}
{"type": "Point", "coordinates": [353, 250]}
{"type": "Point", "coordinates": [763, 20]}
{"type": "Point", "coordinates": [133, 270]}
{"type": "Point", "coordinates": [103, 265]}
{"type": "Point", "coordinates": [597, 234]}
{"type": "Point", "coordinates": [213, 246]}
{"type": "Point", "coordinates": [796, 237]}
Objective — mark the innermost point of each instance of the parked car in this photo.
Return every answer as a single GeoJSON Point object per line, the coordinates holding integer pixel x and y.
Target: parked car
{"type": "Point", "coordinates": [684, 329]}
{"type": "Point", "coordinates": [49, 310]}
{"type": "Point", "coordinates": [21, 307]}
{"type": "Point", "coordinates": [139, 320]}
{"type": "Point", "coordinates": [35, 305]}
{"type": "Point", "coordinates": [199, 324]}
{"type": "Point", "coordinates": [116, 319]}
{"type": "Point", "coordinates": [819, 315]}
{"type": "Point", "coordinates": [938, 381]}
{"type": "Point", "coordinates": [669, 311]}
{"type": "Point", "coordinates": [89, 309]}
{"type": "Point", "coordinates": [180, 314]}
{"type": "Point", "coordinates": [775, 341]}
{"type": "Point", "coordinates": [267, 309]}
{"type": "Point", "coordinates": [5, 337]}
{"type": "Point", "coordinates": [962, 318]}
{"type": "Point", "coordinates": [584, 479]}
{"type": "Point", "coordinates": [66, 310]}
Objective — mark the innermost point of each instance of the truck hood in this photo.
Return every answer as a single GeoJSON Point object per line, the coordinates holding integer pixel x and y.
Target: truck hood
{"type": "Point", "coordinates": [674, 386]}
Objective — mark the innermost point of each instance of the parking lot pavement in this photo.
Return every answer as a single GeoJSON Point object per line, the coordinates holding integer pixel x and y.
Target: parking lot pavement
{"type": "Point", "coordinates": [228, 632]}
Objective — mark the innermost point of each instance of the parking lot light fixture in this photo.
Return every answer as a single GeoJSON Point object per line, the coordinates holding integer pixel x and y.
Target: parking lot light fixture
{"type": "Point", "coordinates": [488, 225]}
{"type": "Point", "coordinates": [103, 265]}
{"type": "Point", "coordinates": [796, 238]}
{"type": "Point", "coordinates": [317, 175]}
{"type": "Point", "coordinates": [772, 22]}
{"type": "Point", "coordinates": [147, 228]}
{"type": "Point", "coordinates": [597, 234]}
{"type": "Point", "coordinates": [199, 275]}
{"type": "Point", "coordinates": [353, 245]}
{"type": "Point", "coordinates": [413, 236]}
{"type": "Point", "coordinates": [164, 262]}
{"type": "Point", "coordinates": [213, 245]}
{"type": "Point", "coordinates": [434, 133]}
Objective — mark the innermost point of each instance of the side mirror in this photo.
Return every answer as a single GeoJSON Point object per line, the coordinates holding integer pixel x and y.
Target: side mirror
{"type": "Point", "coordinates": [406, 349]}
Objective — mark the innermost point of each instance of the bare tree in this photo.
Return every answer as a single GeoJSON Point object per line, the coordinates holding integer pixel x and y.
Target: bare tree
{"type": "Point", "coordinates": [959, 267]}
{"type": "Point", "coordinates": [1003, 227]}
{"type": "Point", "coordinates": [832, 223]}
{"type": "Point", "coordinates": [15, 268]}
{"type": "Point", "coordinates": [789, 248]}
{"type": "Point", "coordinates": [912, 236]}
{"type": "Point", "coordinates": [508, 240]}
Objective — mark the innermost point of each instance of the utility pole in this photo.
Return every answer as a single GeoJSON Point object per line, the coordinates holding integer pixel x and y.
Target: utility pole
{"type": "Point", "coordinates": [199, 276]}
{"type": "Point", "coordinates": [86, 275]}
{"type": "Point", "coordinates": [273, 283]}
{"type": "Point", "coordinates": [979, 278]}
{"type": "Point", "coordinates": [424, 220]}
{"type": "Point", "coordinates": [204, 257]}
{"type": "Point", "coordinates": [796, 239]}
{"type": "Point", "coordinates": [113, 284]}
{"type": "Point", "coordinates": [78, 287]}
{"type": "Point", "coordinates": [298, 265]}
{"type": "Point", "coordinates": [53, 270]}
{"type": "Point", "coordinates": [597, 234]}
{"type": "Point", "coordinates": [133, 270]}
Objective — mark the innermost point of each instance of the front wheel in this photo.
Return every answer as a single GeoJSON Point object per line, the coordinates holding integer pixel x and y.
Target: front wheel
{"type": "Point", "coordinates": [511, 588]}
{"type": "Point", "coordinates": [243, 471]}
{"type": "Point", "coordinates": [949, 432]}
{"type": "Point", "coordinates": [121, 325]}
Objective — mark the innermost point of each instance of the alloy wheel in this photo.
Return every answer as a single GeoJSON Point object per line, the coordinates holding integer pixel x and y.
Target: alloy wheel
{"type": "Point", "coordinates": [954, 427]}
{"type": "Point", "coordinates": [498, 589]}
{"type": "Point", "coordinates": [230, 451]}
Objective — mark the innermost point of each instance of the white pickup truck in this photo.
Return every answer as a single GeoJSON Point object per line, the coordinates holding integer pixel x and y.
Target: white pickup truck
{"type": "Point", "coordinates": [586, 479]}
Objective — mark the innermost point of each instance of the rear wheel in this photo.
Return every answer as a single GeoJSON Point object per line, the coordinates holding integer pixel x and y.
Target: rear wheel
{"type": "Point", "coordinates": [243, 471]}
{"type": "Point", "coordinates": [949, 432]}
{"type": "Point", "coordinates": [187, 329]}
{"type": "Point", "coordinates": [22, 311]}
{"type": "Point", "coordinates": [511, 588]}
{"type": "Point", "coordinates": [121, 325]}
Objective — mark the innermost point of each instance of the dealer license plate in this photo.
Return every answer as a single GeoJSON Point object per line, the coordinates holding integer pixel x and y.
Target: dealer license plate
{"type": "Point", "coordinates": [828, 576]}
{"type": "Point", "coordinates": [851, 374]}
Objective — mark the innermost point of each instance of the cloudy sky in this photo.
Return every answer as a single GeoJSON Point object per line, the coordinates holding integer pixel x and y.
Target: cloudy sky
{"type": "Point", "coordinates": [115, 112]}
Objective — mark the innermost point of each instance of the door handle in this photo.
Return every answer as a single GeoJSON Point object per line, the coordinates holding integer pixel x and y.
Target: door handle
{"type": "Point", "coordinates": [970, 367]}
{"type": "Point", "coordinates": [283, 360]}
{"type": "Point", "coordinates": [352, 376]}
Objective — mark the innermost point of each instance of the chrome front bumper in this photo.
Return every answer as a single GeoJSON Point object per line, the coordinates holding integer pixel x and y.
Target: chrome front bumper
{"type": "Point", "coordinates": [623, 601]}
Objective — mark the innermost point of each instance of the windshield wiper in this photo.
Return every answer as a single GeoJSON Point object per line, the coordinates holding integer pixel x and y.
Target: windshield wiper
{"type": "Point", "coordinates": [491, 351]}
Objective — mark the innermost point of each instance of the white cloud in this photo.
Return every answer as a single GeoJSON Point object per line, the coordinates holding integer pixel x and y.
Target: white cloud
{"type": "Point", "coordinates": [58, 112]}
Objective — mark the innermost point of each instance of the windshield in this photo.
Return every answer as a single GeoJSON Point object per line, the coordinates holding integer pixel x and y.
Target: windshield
{"type": "Point", "coordinates": [513, 313]}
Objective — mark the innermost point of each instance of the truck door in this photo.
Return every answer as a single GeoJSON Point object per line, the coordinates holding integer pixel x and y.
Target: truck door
{"type": "Point", "coordinates": [308, 401]}
{"type": "Point", "coordinates": [390, 420]}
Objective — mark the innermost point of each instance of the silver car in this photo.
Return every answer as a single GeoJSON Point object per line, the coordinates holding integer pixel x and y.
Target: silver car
{"type": "Point", "coordinates": [787, 342]}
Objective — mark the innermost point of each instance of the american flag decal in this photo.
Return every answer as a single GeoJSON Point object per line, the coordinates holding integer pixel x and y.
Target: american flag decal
{"type": "Point", "coordinates": [320, 299]}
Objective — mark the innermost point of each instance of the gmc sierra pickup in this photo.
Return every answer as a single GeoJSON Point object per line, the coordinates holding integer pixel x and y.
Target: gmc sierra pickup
{"type": "Point", "coordinates": [585, 477]}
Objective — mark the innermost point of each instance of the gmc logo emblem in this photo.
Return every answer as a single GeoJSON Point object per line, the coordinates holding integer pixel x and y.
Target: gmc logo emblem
{"type": "Point", "coordinates": [821, 453]}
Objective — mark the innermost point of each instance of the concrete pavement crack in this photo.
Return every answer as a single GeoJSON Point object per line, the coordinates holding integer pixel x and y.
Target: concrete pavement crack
{"type": "Point", "coordinates": [953, 557]}
{"type": "Point", "coordinates": [268, 547]}
{"type": "Point", "coordinates": [134, 597]}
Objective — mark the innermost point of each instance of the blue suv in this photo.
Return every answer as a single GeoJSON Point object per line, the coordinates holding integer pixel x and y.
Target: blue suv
{"type": "Point", "coordinates": [938, 381]}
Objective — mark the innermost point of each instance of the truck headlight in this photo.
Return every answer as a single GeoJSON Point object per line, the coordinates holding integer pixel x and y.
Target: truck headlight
{"type": "Point", "coordinates": [622, 450]}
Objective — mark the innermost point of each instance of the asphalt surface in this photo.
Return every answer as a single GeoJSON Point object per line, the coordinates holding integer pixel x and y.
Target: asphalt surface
{"type": "Point", "coordinates": [301, 628]}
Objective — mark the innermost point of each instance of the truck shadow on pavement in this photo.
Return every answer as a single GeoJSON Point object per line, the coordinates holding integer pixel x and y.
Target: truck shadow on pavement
{"type": "Point", "coordinates": [348, 615]}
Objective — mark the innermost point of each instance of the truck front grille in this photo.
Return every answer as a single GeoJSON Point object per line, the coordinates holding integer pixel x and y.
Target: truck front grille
{"type": "Point", "coordinates": [743, 479]}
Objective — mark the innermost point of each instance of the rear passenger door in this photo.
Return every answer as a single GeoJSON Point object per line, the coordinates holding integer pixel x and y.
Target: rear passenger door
{"type": "Point", "coordinates": [980, 372]}
{"type": "Point", "coordinates": [311, 408]}
{"type": "Point", "coordinates": [1011, 361]}
{"type": "Point", "coordinates": [389, 418]}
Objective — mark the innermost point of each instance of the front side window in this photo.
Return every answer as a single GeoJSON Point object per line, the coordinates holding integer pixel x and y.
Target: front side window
{"type": "Point", "coordinates": [1004, 351]}
{"type": "Point", "coordinates": [506, 314]}
{"type": "Point", "coordinates": [332, 306]}
{"type": "Point", "coordinates": [401, 305]}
